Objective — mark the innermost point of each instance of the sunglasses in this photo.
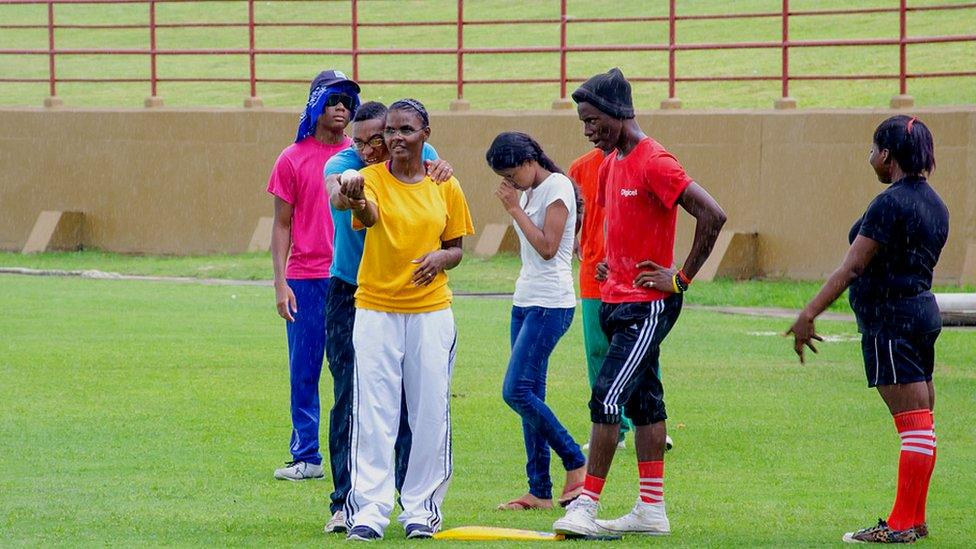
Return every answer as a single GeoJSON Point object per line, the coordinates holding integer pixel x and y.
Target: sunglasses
{"type": "Point", "coordinates": [375, 142]}
{"type": "Point", "coordinates": [403, 131]}
{"type": "Point", "coordinates": [337, 98]}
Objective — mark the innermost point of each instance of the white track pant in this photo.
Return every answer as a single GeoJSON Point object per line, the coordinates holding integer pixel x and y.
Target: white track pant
{"type": "Point", "coordinates": [415, 352]}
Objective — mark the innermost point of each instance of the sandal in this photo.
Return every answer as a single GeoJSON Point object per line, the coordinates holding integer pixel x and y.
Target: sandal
{"type": "Point", "coordinates": [570, 493]}
{"type": "Point", "coordinates": [523, 504]}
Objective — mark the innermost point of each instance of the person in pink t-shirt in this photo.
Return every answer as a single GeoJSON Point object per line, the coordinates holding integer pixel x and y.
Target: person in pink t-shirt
{"type": "Point", "coordinates": [301, 249]}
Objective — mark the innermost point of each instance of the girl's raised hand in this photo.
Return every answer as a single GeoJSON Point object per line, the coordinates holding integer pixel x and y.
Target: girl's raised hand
{"type": "Point", "coordinates": [508, 196]}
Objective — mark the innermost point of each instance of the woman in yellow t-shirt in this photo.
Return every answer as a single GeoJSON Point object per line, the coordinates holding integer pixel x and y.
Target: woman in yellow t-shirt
{"type": "Point", "coordinates": [404, 333]}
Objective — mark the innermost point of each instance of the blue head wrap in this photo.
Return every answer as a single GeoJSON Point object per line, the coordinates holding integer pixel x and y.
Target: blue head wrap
{"type": "Point", "coordinates": [316, 106]}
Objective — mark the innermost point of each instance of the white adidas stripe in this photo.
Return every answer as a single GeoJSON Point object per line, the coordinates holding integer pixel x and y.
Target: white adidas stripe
{"type": "Point", "coordinates": [891, 357]}
{"type": "Point", "coordinates": [633, 361]}
{"type": "Point", "coordinates": [918, 450]}
{"type": "Point", "coordinates": [644, 337]}
{"type": "Point", "coordinates": [925, 441]}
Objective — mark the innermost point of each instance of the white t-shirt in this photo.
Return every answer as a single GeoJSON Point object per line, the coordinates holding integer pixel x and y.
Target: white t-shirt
{"type": "Point", "coordinates": [549, 283]}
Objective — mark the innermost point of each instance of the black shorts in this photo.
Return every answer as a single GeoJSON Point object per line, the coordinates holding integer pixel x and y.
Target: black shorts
{"type": "Point", "coordinates": [629, 378]}
{"type": "Point", "coordinates": [898, 359]}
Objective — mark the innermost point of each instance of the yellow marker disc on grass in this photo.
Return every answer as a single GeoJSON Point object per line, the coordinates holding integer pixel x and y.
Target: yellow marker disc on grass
{"type": "Point", "coordinates": [493, 533]}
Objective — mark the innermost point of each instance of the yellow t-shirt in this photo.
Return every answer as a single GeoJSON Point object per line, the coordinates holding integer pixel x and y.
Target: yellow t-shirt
{"type": "Point", "coordinates": [413, 220]}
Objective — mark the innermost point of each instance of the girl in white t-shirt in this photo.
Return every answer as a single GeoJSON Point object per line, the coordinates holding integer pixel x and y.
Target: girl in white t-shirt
{"type": "Point", "coordinates": [546, 219]}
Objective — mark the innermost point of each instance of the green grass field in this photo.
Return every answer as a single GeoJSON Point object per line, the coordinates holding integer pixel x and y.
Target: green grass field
{"type": "Point", "coordinates": [803, 61]}
{"type": "Point", "coordinates": [475, 275]}
{"type": "Point", "coordinates": [152, 414]}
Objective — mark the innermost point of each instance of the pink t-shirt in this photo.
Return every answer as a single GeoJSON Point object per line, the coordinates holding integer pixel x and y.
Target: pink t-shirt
{"type": "Point", "coordinates": [297, 179]}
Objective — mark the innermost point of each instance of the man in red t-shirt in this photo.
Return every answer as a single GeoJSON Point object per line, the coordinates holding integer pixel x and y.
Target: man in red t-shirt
{"type": "Point", "coordinates": [640, 187]}
{"type": "Point", "coordinates": [585, 171]}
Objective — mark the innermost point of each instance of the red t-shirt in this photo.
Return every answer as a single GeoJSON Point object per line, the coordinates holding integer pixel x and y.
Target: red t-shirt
{"type": "Point", "coordinates": [638, 193]}
{"type": "Point", "coordinates": [584, 171]}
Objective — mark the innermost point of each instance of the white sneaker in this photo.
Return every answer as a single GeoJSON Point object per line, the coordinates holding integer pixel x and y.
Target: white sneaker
{"type": "Point", "coordinates": [580, 519]}
{"type": "Point", "coordinates": [645, 518]}
{"type": "Point", "coordinates": [336, 524]}
{"type": "Point", "coordinates": [298, 470]}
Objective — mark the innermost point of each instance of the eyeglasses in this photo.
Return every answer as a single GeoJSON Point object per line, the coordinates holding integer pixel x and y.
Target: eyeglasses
{"type": "Point", "coordinates": [336, 98]}
{"type": "Point", "coordinates": [403, 131]}
{"type": "Point", "coordinates": [374, 141]}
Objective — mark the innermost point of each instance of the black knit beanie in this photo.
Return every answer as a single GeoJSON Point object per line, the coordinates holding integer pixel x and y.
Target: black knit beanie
{"type": "Point", "coordinates": [609, 92]}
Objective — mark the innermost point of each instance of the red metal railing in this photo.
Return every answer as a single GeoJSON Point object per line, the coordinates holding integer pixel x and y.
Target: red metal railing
{"type": "Point", "coordinates": [785, 44]}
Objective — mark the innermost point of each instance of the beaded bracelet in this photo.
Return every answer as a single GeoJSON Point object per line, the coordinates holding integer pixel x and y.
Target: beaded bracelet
{"type": "Point", "coordinates": [680, 282]}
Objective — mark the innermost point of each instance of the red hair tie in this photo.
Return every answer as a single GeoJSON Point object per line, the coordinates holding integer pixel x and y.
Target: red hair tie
{"type": "Point", "coordinates": [910, 124]}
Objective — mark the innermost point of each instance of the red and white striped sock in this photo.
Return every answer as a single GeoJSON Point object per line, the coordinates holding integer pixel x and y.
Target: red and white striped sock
{"type": "Point", "coordinates": [924, 491]}
{"type": "Point", "coordinates": [592, 487]}
{"type": "Point", "coordinates": [651, 481]}
{"type": "Point", "coordinates": [914, 465]}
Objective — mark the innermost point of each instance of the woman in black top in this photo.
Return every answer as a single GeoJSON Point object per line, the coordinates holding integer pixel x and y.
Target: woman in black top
{"type": "Point", "coordinates": [895, 246]}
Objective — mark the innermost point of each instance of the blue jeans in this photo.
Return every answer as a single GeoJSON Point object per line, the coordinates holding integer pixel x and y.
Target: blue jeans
{"type": "Point", "coordinates": [306, 349]}
{"type": "Point", "coordinates": [340, 307]}
{"type": "Point", "coordinates": [535, 332]}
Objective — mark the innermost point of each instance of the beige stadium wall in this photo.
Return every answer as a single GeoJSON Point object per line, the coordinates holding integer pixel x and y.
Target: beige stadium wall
{"type": "Point", "coordinates": [167, 181]}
